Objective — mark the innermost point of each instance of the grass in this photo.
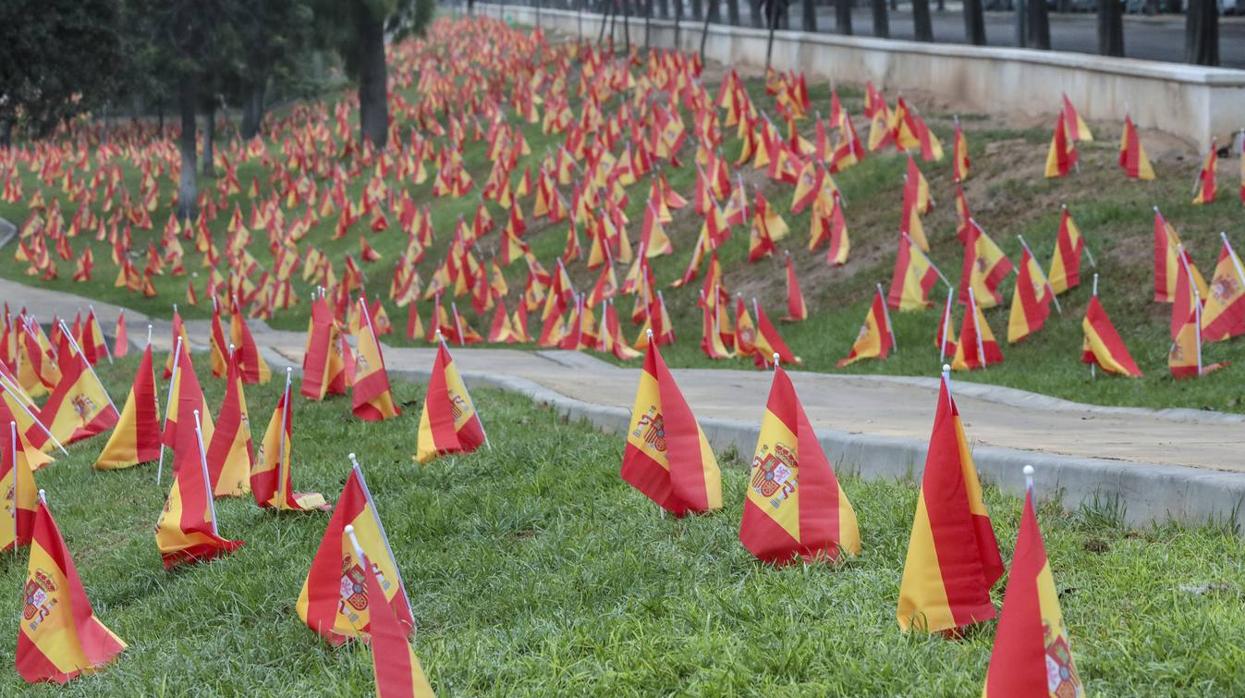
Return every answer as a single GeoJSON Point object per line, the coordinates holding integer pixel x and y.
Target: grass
{"type": "Point", "coordinates": [1007, 193]}
{"type": "Point", "coordinates": [534, 570]}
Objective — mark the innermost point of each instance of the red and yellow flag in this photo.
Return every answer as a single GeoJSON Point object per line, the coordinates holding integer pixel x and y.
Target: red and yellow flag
{"type": "Point", "coordinates": [395, 667]}
{"type": "Point", "coordinates": [186, 530]}
{"type": "Point", "coordinates": [184, 389]}
{"type": "Point", "coordinates": [1204, 190]}
{"type": "Point", "coordinates": [1062, 155]}
{"type": "Point", "coordinates": [1065, 263]}
{"type": "Point", "coordinates": [230, 453]}
{"type": "Point", "coordinates": [121, 338]}
{"type": "Point", "coordinates": [797, 310]}
{"type": "Point", "coordinates": [254, 368]}
{"type": "Point", "coordinates": [179, 332]}
{"type": "Point", "coordinates": [78, 407]}
{"type": "Point", "coordinates": [15, 407]}
{"type": "Point", "coordinates": [1133, 158]}
{"type": "Point", "coordinates": [449, 422]}
{"type": "Point", "coordinates": [371, 398]}
{"type": "Point", "coordinates": [136, 438]}
{"type": "Point", "coordinates": [985, 267]}
{"type": "Point", "coordinates": [875, 339]}
{"type": "Point", "coordinates": [1032, 654]}
{"type": "Point", "coordinates": [1169, 258]}
{"type": "Point", "coordinates": [667, 456]}
{"type": "Point", "coordinates": [977, 347]}
{"type": "Point", "coordinates": [17, 483]}
{"type": "Point", "coordinates": [324, 362]}
{"type": "Point", "coordinates": [1223, 316]}
{"type": "Point", "coordinates": [795, 506]}
{"type": "Point", "coordinates": [959, 158]}
{"type": "Point", "coordinates": [769, 342]}
{"type": "Point", "coordinates": [913, 278]}
{"type": "Point", "coordinates": [1102, 344]}
{"type": "Point", "coordinates": [59, 636]}
{"type": "Point", "coordinates": [953, 558]}
{"type": "Point", "coordinates": [1031, 299]}
{"type": "Point", "coordinates": [272, 478]}
{"type": "Point", "coordinates": [334, 601]}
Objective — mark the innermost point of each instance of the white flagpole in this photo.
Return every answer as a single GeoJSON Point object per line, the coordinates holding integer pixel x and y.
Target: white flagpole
{"type": "Point", "coordinates": [946, 325]}
{"type": "Point", "coordinates": [1028, 471]}
{"type": "Point", "coordinates": [1236, 262]}
{"type": "Point", "coordinates": [25, 408]}
{"type": "Point", "coordinates": [886, 313]}
{"type": "Point", "coordinates": [16, 480]}
{"type": "Point", "coordinates": [168, 403]}
{"type": "Point", "coordinates": [207, 478]}
{"type": "Point", "coordinates": [1045, 281]}
{"type": "Point", "coordinates": [1197, 319]}
{"type": "Point", "coordinates": [282, 496]}
{"type": "Point", "coordinates": [81, 357]}
{"type": "Point", "coordinates": [367, 493]}
{"type": "Point", "coordinates": [981, 347]}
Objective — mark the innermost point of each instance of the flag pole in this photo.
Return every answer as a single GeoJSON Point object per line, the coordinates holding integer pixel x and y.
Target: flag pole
{"type": "Point", "coordinates": [367, 493]}
{"type": "Point", "coordinates": [78, 351]}
{"type": "Point", "coordinates": [886, 313]}
{"type": "Point", "coordinates": [16, 480]}
{"type": "Point", "coordinates": [1093, 366]}
{"type": "Point", "coordinates": [1197, 318]}
{"type": "Point", "coordinates": [168, 403]}
{"type": "Point", "coordinates": [981, 348]}
{"type": "Point", "coordinates": [946, 325]}
{"type": "Point", "coordinates": [207, 478]}
{"type": "Point", "coordinates": [1028, 471]}
{"type": "Point", "coordinates": [26, 408]}
{"type": "Point", "coordinates": [285, 415]}
{"type": "Point", "coordinates": [1236, 262]}
{"type": "Point", "coordinates": [1045, 280]}
{"type": "Point", "coordinates": [946, 378]}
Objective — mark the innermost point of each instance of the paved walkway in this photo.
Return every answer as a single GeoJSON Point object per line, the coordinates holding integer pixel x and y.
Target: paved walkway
{"type": "Point", "coordinates": [877, 425]}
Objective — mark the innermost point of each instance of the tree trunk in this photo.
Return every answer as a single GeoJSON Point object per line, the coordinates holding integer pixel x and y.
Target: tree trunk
{"type": "Point", "coordinates": [1038, 25]}
{"type": "Point", "coordinates": [710, 16]}
{"type": "Point", "coordinates": [771, 8]}
{"type": "Point", "coordinates": [209, 142]}
{"type": "Point", "coordinates": [160, 116]}
{"type": "Point", "coordinates": [678, 21]}
{"type": "Point", "coordinates": [922, 26]}
{"type": "Point", "coordinates": [756, 14]}
{"type": "Point", "coordinates": [698, 10]}
{"type": "Point", "coordinates": [732, 12]}
{"type": "Point", "coordinates": [974, 23]}
{"type": "Point", "coordinates": [810, 16]}
{"type": "Point", "coordinates": [881, 20]}
{"type": "Point", "coordinates": [373, 76]}
{"type": "Point", "coordinates": [627, 26]}
{"type": "Point", "coordinates": [187, 187]}
{"type": "Point", "coordinates": [253, 111]}
{"type": "Point", "coordinates": [843, 16]}
{"type": "Point", "coordinates": [663, 6]}
{"type": "Point", "coordinates": [1201, 45]}
{"type": "Point", "coordinates": [6, 133]}
{"type": "Point", "coordinates": [1110, 28]}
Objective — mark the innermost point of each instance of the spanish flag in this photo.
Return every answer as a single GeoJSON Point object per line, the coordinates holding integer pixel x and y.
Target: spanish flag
{"type": "Point", "coordinates": [14, 409]}
{"type": "Point", "coordinates": [797, 310]}
{"type": "Point", "coordinates": [666, 456]}
{"type": "Point", "coordinates": [1224, 313]}
{"type": "Point", "coordinates": [254, 368]}
{"type": "Point", "coordinates": [959, 158]}
{"type": "Point", "coordinates": [184, 387]}
{"type": "Point", "coordinates": [953, 558]}
{"type": "Point", "coordinates": [1065, 263]}
{"type": "Point", "coordinates": [92, 341]}
{"type": "Point", "coordinates": [1031, 299]}
{"type": "Point", "coordinates": [1102, 344]}
{"type": "Point", "coordinates": [272, 477]}
{"type": "Point", "coordinates": [179, 332]}
{"type": "Point", "coordinates": [78, 408]}
{"type": "Point", "coordinates": [1169, 257]}
{"type": "Point", "coordinates": [768, 342]}
{"type": "Point", "coordinates": [875, 339]}
{"type": "Point", "coordinates": [334, 601]}
{"type": "Point", "coordinates": [218, 345]}
{"type": "Point", "coordinates": [136, 438]}
{"type": "Point", "coordinates": [1075, 125]}
{"type": "Point", "coordinates": [913, 278]}
{"type": "Point", "coordinates": [1184, 359]}
{"type": "Point", "coordinates": [1204, 189]}
{"type": "Point", "coordinates": [985, 267]}
{"type": "Point", "coordinates": [59, 636]}
{"type": "Point", "coordinates": [1133, 158]}
{"type": "Point", "coordinates": [186, 531]}
{"type": "Point", "coordinates": [323, 361]}
{"type": "Point", "coordinates": [795, 506]}
{"type": "Point", "coordinates": [17, 481]}
{"type": "Point", "coordinates": [121, 339]}
{"type": "Point", "coordinates": [395, 667]}
{"type": "Point", "coordinates": [449, 422]}
{"type": "Point", "coordinates": [977, 347]}
{"type": "Point", "coordinates": [230, 453]}
{"type": "Point", "coordinates": [1062, 155]}
{"type": "Point", "coordinates": [1032, 654]}
{"type": "Point", "coordinates": [371, 398]}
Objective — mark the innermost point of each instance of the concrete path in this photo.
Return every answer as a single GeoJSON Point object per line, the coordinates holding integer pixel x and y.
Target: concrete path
{"type": "Point", "coordinates": [1181, 464]}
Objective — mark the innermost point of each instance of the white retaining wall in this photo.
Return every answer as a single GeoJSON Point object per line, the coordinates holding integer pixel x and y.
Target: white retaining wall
{"type": "Point", "coordinates": [1191, 102]}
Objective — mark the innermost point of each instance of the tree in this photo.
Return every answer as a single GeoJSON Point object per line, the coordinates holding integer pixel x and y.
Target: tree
{"type": "Point", "coordinates": [843, 16]}
{"type": "Point", "coordinates": [58, 61]}
{"type": "Point", "coordinates": [1037, 27]}
{"type": "Point", "coordinates": [974, 23]}
{"type": "Point", "coordinates": [810, 16]}
{"type": "Point", "coordinates": [732, 12]}
{"type": "Point", "coordinates": [1110, 27]}
{"type": "Point", "coordinates": [922, 26]}
{"type": "Point", "coordinates": [356, 29]}
{"type": "Point", "coordinates": [1201, 36]}
{"type": "Point", "coordinates": [881, 19]}
{"type": "Point", "coordinates": [277, 46]}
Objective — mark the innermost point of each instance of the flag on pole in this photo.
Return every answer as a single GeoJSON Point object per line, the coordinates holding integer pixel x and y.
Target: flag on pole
{"type": "Point", "coordinates": [230, 453]}
{"type": "Point", "coordinates": [184, 389]}
{"type": "Point", "coordinates": [1062, 155]}
{"type": "Point", "coordinates": [1102, 344]}
{"type": "Point", "coordinates": [15, 408]}
{"type": "Point", "coordinates": [371, 397]}
{"type": "Point", "coordinates": [1169, 259]}
{"type": "Point", "coordinates": [59, 636]}
{"type": "Point", "coordinates": [795, 506]}
{"type": "Point", "coordinates": [272, 477]}
{"type": "Point", "coordinates": [78, 407]}
{"type": "Point", "coordinates": [667, 457]}
{"type": "Point", "coordinates": [17, 482]}
{"type": "Point", "coordinates": [334, 601]}
{"type": "Point", "coordinates": [121, 338]}
{"type": "Point", "coordinates": [254, 368]}
{"type": "Point", "coordinates": [977, 347]}
{"type": "Point", "coordinates": [913, 278]}
{"type": "Point", "coordinates": [1032, 654]}
{"type": "Point", "coordinates": [1204, 188]}
{"type": "Point", "coordinates": [136, 438]}
{"type": "Point", "coordinates": [1223, 316]}
{"type": "Point", "coordinates": [797, 310]}
{"type": "Point", "coordinates": [874, 340]}
{"type": "Point", "coordinates": [953, 558]}
{"type": "Point", "coordinates": [1133, 158]}
{"type": "Point", "coordinates": [186, 531]}
{"type": "Point", "coordinates": [1065, 262]}
{"type": "Point", "coordinates": [768, 342]}
{"type": "Point", "coordinates": [985, 266]}
{"type": "Point", "coordinates": [1031, 299]}
{"type": "Point", "coordinates": [179, 332]}
{"type": "Point", "coordinates": [449, 422]}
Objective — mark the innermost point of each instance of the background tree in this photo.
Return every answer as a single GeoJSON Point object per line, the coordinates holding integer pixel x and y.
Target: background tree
{"type": "Point", "coordinates": [58, 59]}
{"type": "Point", "coordinates": [1110, 27]}
{"type": "Point", "coordinates": [974, 23]}
{"type": "Point", "coordinates": [881, 19]}
{"type": "Point", "coordinates": [809, 15]}
{"type": "Point", "coordinates": [922, 25]}
{"type": "Point", "coordinates": [1201, 35]}
{"type": "Point", "coordinates": [843, 16]}
{"type": "Point", "coordinates": [1037, 34]}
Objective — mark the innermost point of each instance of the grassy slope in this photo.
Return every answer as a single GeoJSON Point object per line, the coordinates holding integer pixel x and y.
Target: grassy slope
{"type": "Point", "coordinates": [534, 570]}
{"type": "Point", "coordinates": [1008, 197]}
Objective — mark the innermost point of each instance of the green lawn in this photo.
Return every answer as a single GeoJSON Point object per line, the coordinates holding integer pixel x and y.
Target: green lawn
{"type": "Point", "coordinates": [534, 570]}
{"type": "Point", "coordinates": [1006, 192]}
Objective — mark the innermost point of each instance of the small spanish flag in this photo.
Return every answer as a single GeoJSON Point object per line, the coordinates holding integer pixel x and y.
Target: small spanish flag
{"type": "Point", "coordinates": [1065, 262]}
{"type": "Point", "coordinates": [1133, 158]}
{"type": "Point", "coordinates": [136, 438]}
{"type": "Point", "coordinates": [1224, 313]}
{"type": "Point", "coordinates": [875, 339]}
{"type": "Point", "coordinates": [79, 406]}
{"type": "Point", "coordinates": [1204, 189]}
{"type": "Point", "coordinates": [230, 453]}
{"type": "Point", "coordinates": [272, 477]}
{"type": "Point", "coordinates": [16, 479]}
{"type": "Point", "coordinates": [372, 400]}
{"type": "Point", "coordinates": [59, 636]}
{"type": "Point", "coordinates": [334, 601]}
{"type": "Point", "coordinates": [795, 506]}
{"type": "Point", "coordinates": [186, 530]}
{"type": "Point", "coordinates": [1031, 299]}
{"type": "Point", "coordinates": [254, 368]}
{"type": "Point", "coordinates": [395, 667]}
{"type": "Point", "coordinates": [449, 422]}
{"type": "Point", "coordinates": [1102, 345]}
{"type": "Point", "coordinates": [667, 456]}
{"type": "Point", "coordinates": [1032, 654]}
{"type": "Point", "coordinates": [953, 558]}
